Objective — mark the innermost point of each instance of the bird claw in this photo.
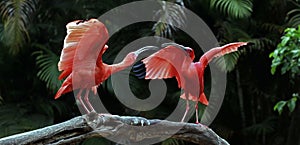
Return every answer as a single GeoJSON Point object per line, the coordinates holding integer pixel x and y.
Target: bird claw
{"type": "Point", "coordinates": [94, 119]}
{"type": "Point", "coordinates": [198, 123]}
{"type": "Point", "coordinates": [137, 121]}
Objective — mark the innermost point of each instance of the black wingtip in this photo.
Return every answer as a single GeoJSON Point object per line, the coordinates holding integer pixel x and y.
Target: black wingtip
{"type": "Point", "coordinates": [139, 70]}
{"type": "Point", "coordinates": [138, 65]}
{"type": "Point", "coordinates": [141, 75]}
{"type": "Point", "coordinates": [250, 43]}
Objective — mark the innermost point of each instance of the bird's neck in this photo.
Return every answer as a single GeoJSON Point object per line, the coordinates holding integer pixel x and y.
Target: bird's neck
{"type": "Point", "coordinates": [126, 62]}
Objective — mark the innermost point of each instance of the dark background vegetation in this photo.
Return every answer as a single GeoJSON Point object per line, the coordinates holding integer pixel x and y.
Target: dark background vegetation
{"type": "Point", "coordinates": [32, 34]}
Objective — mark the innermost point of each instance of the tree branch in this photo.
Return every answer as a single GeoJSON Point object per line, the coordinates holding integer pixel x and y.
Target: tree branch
{"type": "Point", "coordinates": [121, 129]}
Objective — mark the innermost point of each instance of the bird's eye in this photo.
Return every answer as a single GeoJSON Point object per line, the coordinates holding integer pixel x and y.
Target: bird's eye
{"type": "Point", "coordinates": [81, 21]}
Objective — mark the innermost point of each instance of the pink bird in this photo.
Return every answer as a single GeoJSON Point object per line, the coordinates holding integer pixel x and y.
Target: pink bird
{"type": "Point", "coordinates": [81, 58]}
{"type": "Point", "coordinates": [175, 60]}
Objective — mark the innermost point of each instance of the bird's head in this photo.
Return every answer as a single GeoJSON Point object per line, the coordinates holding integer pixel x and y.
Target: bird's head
{"type": "Point", "coordinates": [189, 51]}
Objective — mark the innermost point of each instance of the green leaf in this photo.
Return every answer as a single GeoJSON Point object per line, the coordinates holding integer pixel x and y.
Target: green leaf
{"type": "Point", "coordinates": [279, 106]}
{"type": "Point", "coordinates": [292, 104]}
{"type": "Point", "coordinates": [271, 54]}
{"type": "Point", "coordinates": [285, 40]}
{"type": "Point", "coordinates": [273, 70]}
{"type": "Point", "coordinates": [287, 53]}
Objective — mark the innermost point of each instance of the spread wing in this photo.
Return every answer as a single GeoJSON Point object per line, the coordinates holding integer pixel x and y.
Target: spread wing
{"type": "Point", "coordinates": [85, 40]}
{"type": "Point", "coordinates": [166, 63]}
{"type": "Point", "coordinates": [220, 51]}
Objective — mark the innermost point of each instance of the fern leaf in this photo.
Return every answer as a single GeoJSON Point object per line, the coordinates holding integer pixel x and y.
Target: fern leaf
{"type": "Point", "coordinates": [16, 15]}
{"type": "Point", "coordinates": [293, 18]}
{"type": "Point", "coordinates": [227, 62]}
{"type": "Point", "coordinates": [171, 16]}
{"type": "Point", "coordinates": [233, 8]}
{"type": "Point", "coordinates": [47, 61]}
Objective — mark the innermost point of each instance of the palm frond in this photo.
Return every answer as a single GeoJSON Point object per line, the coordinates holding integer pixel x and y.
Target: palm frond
{"type": "Point", "coordinates": [293, 18]}
{"type": "Point", "coordinates": [170, 16]}
{"type": "Point", "coordinates": [48, 72]}
{"type": "Point", "coordinates": [228, 61]}
{"type": "Point", "coordinates": [263, 128]}
{"type": "Point", "coordinates": [271, 27]}
{"type": "Point", "coordinates": [16, 15]}
{"type": "Point", "coordinates": [261, 43]}
{"type": "Point", "coordinates": [233, 8]}
{"type": "Point", "coordinates": [1, 100]}
{"type": "Point", "coordinates": [231, 32]}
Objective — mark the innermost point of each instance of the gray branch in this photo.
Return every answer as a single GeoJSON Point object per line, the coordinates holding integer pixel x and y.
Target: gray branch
{"type": "Point", "coordinates": [120, 129]}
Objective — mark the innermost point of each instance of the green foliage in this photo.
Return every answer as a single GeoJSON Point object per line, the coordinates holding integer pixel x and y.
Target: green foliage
{"type": "Point", "coordinates": [263, 128]}
{"type": "Point", "coordinates": [16, 16]}
{"type": "Point", "coordinates": [48, 72]}
{"type": "Point", "coordinates": [291, 104]}
{"type": "Point", "coordinates": [233, 8]}
{"type": "Point", "coordinates": [171, 17]}
{"type": "Point", "coordinates": [227, 62]}
{"type": "Point", "coordinates": [293, 16]}
{"type": "Point", "coordinates": [287, 53]}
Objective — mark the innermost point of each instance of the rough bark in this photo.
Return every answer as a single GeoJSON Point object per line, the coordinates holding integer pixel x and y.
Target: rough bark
{"type": "Point", "coordinates": [122, 129]}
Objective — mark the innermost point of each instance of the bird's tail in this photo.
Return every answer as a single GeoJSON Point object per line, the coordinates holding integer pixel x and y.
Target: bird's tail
{"type": "Point", "coordinates": [203, 99]}
{"type": "Point", "coordinates": [62, 90]}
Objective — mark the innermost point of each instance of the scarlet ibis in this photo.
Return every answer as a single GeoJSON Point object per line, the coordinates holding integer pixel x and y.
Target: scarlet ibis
{"type": "Point", "coordinates": [81, 57]}
{"type": "Point", "coordinates": [171, 61]}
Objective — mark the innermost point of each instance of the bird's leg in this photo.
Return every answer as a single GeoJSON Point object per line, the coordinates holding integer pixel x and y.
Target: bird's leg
{"type": "Point", "coordinates": [81, 102]}
{"type": "Point", "coordinates": [186, 109]}
{"type": "Point", "coordinates": [87, 100]}
{"type": "Point", "coordinates": [197, 117]}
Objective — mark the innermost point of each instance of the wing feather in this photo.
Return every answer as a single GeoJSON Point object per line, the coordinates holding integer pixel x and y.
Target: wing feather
{"type": "Point", "coordinates": [82, 40]}
{"type": "Point", "coordinates": [166, 63]}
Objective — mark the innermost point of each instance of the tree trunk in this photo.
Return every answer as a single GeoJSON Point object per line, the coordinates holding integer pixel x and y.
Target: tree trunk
{"type": "Point", "coordinates": [133, 130]}
{"type": "Point", "coordinates": [294, 129]}
{"type": "Point", "coordinates": [241, 97]}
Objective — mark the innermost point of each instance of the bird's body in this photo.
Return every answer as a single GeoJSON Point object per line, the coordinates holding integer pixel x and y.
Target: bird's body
{"type": "Point", "coordinates": [81, 59]}
{"type": "Point", "coordinates": [177, 61]}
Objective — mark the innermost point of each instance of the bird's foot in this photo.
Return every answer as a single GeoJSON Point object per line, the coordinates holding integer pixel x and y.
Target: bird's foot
{"type": "Point", "coordinates": [136, 121]}
{"type": "Point", "coordinates": [198, 123]}
{"type": "Point", "coordinates": [94, 119]}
